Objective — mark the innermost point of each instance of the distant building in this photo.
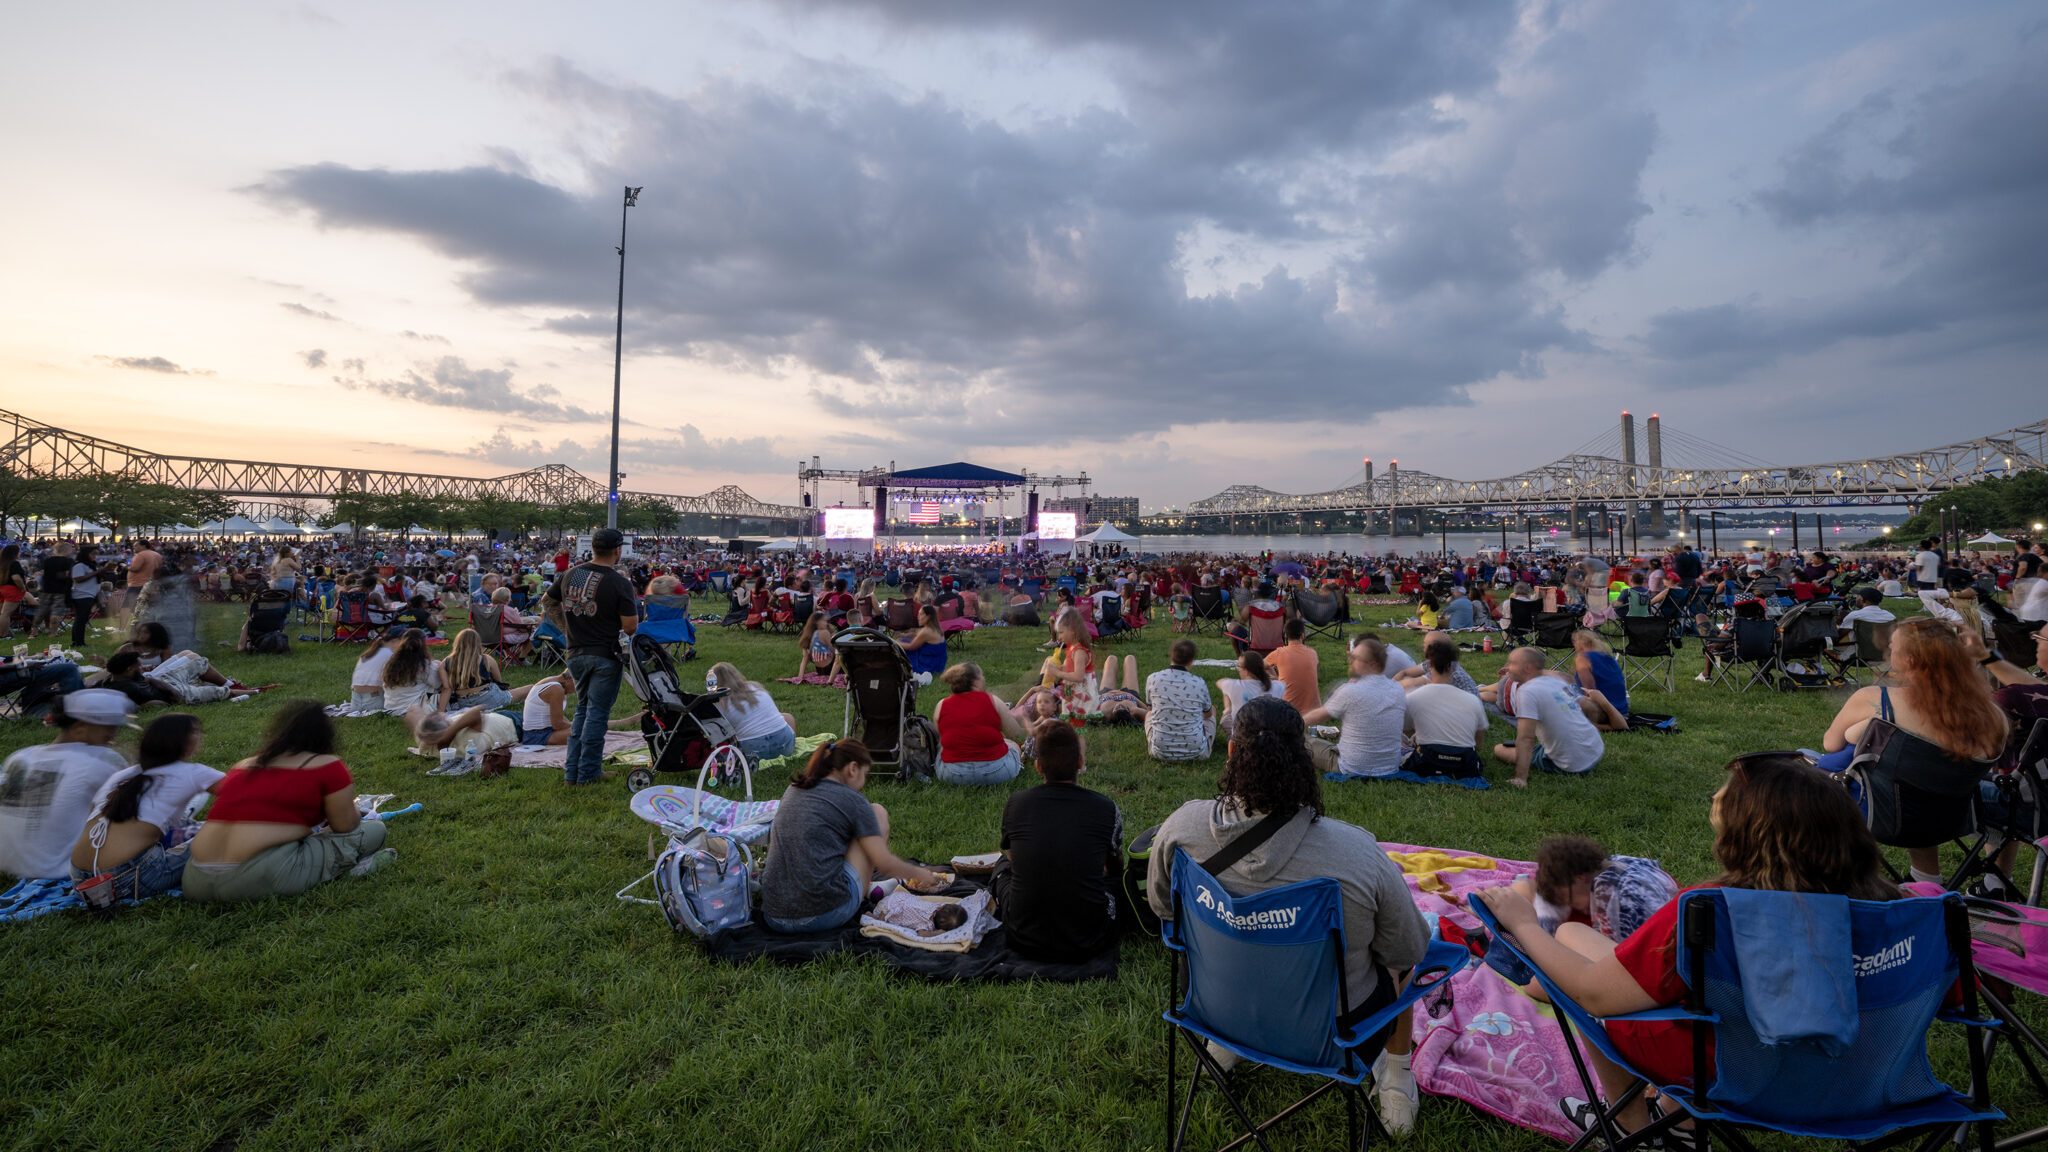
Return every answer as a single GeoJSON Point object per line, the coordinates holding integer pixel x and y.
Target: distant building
{"type": "Point", "coordinates": [1121, 511]}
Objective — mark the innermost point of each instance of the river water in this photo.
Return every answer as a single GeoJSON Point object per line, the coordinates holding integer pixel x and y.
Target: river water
{"type": "Point", "coordinates": [1463, 543]}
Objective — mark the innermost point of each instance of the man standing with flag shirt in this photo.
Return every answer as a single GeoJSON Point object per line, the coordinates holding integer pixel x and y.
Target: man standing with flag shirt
{"type": "Point", "coordinates": [596, 604]}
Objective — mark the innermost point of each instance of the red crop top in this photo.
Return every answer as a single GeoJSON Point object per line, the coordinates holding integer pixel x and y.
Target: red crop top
{"type": "Point", "coordinates": [278, 795]}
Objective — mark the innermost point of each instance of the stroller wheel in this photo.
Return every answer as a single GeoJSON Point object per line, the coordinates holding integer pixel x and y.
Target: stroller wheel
{"type": "Point", "coordinates": [639, 778]}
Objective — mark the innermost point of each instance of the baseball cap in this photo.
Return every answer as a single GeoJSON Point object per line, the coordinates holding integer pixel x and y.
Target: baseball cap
{"type": "Point", "coordinates": [99, 706]}
{"type": "Point", "coordinates": [606, 539]}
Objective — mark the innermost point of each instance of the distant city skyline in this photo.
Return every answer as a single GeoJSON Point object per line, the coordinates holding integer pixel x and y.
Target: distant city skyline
{"type": "Point", "coordinates": [1176, 245]}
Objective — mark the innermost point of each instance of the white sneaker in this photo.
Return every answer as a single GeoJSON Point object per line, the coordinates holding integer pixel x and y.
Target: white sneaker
{"type": "Point", "coordinates": [1704, 678]}
{"type": "Point", "coordinates": [1395, 1097]}
{"type": "Point", "coordinates": [374, 861]}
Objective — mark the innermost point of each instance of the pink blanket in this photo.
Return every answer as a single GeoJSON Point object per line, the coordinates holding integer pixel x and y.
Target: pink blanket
{"type": "Point", "coordinates": [1485, 1042]}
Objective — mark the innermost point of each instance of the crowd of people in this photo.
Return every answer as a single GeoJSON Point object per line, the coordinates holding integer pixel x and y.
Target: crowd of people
{"type": "Point", "coordinates": [285, 818]}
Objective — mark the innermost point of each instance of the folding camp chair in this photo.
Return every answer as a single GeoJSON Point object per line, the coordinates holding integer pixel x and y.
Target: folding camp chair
{"type": "Point", "coordinates": [1265, 628]}
{"type": "Point", "coordinates": [1320, 613]}
{"type": "Point", "coordinates": [1262, 976]}
{"type": "Point", "coordinates": [1554, 630]}
{"type": "Point", "coordinates": [668, 624]}
{"type": "Point", "coordinates": [550, 647]}
{"type": "Point", "coordinates": [1522, 620]}
{"type": "Point", "coordinates": [1647, 657]}
{"type": "Point", "coordinates": [1755, 657]}
{"type": "Point", "coordinates": [1914, 793]}
{"type": "Point", "coordinates": [1208, 611]}
{"type": "Point", "coordinates": [1873, 649]}
{"type": "Point", "coordinates": [1863, 1073]}
{"type": "Point", "coordinates": [2017, 815]}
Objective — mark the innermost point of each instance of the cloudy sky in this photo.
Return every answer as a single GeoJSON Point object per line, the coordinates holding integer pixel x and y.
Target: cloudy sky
{"type": "Point", "coordinates": [1176, 243]}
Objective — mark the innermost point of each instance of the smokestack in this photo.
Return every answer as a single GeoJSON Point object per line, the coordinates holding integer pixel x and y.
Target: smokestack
{"type": "Point", "coordinates": [1628, 457]}
{"type": "Point", "coordinates": [1653, 433]}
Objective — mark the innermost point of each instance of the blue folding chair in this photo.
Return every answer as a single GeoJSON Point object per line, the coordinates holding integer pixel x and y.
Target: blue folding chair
{"type": "Point", "coordinates": [1870, 1082]}
{"type": "Point", "coordinates": [667, 623]}
{"type": "Point", "coordinates": [1264, 978]}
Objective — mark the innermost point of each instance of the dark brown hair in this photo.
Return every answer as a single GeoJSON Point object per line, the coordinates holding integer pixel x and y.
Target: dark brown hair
{"type": "Point", "coordinates": [163, 742]}
{"type": "Point", "coordinates": [1058, 750]}
{"type": "Point", "coordinates": [300, 728]}
{"type": "Point", "coordinates": [1269, 769]}
{"type": "Point", "coordinates": [1786, 826]}
{"type": "Point", "coordinates": [1563, 860]}
{"type": "Point", "coordinates": [830, 757]}
{"type": "Point", "coordinates": [1255, 667]}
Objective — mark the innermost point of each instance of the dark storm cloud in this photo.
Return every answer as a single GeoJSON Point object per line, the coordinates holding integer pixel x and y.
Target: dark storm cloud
{"type": "Point", "coordinates": [912, 263]}
{"type": "Point", "coordinates": [1946, 185]}
{"type": "Point", "coordinates": [154, 364]}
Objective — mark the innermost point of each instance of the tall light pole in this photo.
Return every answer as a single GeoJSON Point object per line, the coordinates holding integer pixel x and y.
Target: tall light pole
{"type": "Point", "coordinates": [611, 497]}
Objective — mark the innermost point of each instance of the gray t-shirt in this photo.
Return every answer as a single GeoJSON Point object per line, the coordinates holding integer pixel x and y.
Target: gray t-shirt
{"type": "Point", "coordinates": [1371, 710]}
{"type": "Point", "coordinates": [807, 849]}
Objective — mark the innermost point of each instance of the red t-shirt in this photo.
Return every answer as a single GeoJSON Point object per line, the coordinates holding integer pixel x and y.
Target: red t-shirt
{"type": "Point", "coordinates": [561, 563]}
{"type": "Point", "coordinates": [970, 732]}
{"type": "Point", "coordinates": [278, 795]}
{"type": "Point", "coordinates": [1661, 1048]}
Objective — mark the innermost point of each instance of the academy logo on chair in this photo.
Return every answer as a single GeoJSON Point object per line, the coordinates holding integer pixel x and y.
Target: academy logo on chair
{"type": "Point", "coordinates": [1271, 918]}
{"type": "Point", "coordinates": [1884, 960]}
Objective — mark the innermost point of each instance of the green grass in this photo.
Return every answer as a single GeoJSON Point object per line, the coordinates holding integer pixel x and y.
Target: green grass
{"type": "Point", "coordinates": [488, 992]}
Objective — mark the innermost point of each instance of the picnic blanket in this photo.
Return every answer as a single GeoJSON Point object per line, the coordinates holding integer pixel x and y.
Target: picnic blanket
{"type": "Point", "coordinates": [816, 679]}
{"type": "Point", "coordinates": [556, 755]}
{"type": "Point", "coordinates": [32, 898]}
{"type": "Point", "coordinates": [1403, 776]}
{"type": "Point", "coordinates": [350, 712]}
{"type": "Point", "coordinates": [900, 916]}
{"type": "Point", "coordinates": [1484, 1041]}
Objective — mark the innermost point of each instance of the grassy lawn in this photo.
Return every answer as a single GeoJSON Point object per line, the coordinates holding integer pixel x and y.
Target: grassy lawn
{"type": "Point", "coordinates": [487, 991]}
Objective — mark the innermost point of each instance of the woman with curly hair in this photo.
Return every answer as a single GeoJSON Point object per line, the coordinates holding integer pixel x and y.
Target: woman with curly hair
{"type": "Point", "coordinates": [1269, 773]}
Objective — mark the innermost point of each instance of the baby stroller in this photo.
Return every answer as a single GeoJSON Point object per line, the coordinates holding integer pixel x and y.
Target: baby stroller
{"type": "Point", "coordinates": [269, 612]}
{"type": "Point", "coordinates": [881, 703]}
{"type": "Point", "coordinates": [682, 731]}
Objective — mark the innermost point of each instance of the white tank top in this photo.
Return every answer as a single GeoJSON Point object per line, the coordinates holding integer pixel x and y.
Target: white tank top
{"type": "Point", "coordinates": [537, 712]}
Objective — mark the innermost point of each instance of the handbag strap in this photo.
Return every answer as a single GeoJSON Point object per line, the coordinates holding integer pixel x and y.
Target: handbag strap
{"type": "Point", "coordinates": [1240, 847]}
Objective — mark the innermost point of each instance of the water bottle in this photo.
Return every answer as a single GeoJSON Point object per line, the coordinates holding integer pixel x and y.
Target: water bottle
{"type": "Point", "coordinates": [469, 753]}
{"type": "Point", "coordinates": [447, 758]}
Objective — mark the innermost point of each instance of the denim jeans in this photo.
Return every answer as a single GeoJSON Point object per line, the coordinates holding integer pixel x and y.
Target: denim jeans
{"type": "Point", "coordinates": [156, 870]}
{"type": "Point", "coordinates": [597, 688]}
{"type": "Point", "coordinates": [999, 771]}
{"type": "Point", "coordinates": [773, 747]}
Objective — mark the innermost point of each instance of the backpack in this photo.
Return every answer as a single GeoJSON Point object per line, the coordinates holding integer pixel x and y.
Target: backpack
{"type": "Point", "coordinates": [270, 643]}
{"type": "Point", "coordinates": [702, 883]}
{"type": "Point", "coordinates": [1137, 910]}
{"type": "Point", "coordinates": [917, 759]}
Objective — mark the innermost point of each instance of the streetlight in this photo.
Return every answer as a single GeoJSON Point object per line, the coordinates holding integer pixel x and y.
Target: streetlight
{"type": "Point", "coordinates": [611, 496]}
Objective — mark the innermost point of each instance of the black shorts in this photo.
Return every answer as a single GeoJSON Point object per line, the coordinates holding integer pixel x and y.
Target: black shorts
{"type": "Point", "coordinates": [1383, 993]}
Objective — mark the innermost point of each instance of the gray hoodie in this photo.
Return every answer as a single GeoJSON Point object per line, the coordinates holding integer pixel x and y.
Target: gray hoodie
{"type": "Point", "coordinates": [1382, 929]}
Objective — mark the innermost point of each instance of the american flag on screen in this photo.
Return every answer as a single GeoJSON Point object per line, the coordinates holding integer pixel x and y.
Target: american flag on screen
{"type": "Point", "coordinates": [924, 512]}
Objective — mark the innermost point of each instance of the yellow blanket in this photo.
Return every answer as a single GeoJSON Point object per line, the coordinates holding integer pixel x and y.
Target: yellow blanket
{"type": "Point", "coordinates": [1425, 866]}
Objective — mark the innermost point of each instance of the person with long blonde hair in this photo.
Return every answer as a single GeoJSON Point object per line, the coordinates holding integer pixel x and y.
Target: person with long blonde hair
{"type": "Point", "coordinates": [762, 731]}
{"type": "Point", "coordinates": [1937, 694]}
{"type": "Point", "coordinates": [471, 676]}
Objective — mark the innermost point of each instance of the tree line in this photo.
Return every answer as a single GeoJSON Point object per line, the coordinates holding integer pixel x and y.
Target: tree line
{"type": "Point", "coordinates": [120, 503]}
{"type": "Point", "coordinates": [2008, 504]}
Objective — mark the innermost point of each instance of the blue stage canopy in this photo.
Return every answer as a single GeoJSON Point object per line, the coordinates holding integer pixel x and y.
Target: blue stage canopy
{"type": "Point", "coordinates": [958, 474]}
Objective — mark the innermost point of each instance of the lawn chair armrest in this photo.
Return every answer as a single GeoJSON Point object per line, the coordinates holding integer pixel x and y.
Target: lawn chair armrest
{"type": "Point", "coordinates": [1441, 959]}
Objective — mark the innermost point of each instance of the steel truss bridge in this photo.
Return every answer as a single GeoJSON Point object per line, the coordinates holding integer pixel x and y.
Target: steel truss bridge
{"type": "Point", "coordinates": [34, 448]}
{"type": "Point", "coordinates": [1582, 479]}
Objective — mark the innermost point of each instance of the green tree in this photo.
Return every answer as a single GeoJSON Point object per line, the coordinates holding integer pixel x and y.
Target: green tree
{"type": "Point", "coordinates": [20, 492]}
{"type": "Point", "coordinates": [646, 514]}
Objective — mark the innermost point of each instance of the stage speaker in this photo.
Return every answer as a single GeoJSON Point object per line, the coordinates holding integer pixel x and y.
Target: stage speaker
{"type": "Point", "coordinates": [881, 511]}
{"type": "Point", "coordinates": [1031, 512]}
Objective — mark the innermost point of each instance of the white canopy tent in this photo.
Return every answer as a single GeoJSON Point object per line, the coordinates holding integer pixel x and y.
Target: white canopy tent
{"type": "Point", "coordinates": [342, 529]}
{"type": "Point", "coordinates": [279, 526]}
{"type": "Point", "coordinates": [781, 546]}
{"type": "Point", "coordinates": [240, 526]}
{"type": "Point", "coordinates": [1107, 534]}
{"type": "Point", "coordinates": [83, 528]}
{"type": "Point", "coordinates": [1990, 538]}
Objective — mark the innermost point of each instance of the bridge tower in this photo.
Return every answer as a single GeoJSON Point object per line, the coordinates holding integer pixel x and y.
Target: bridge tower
{"type": "Point", "coordinates": [1628, 457]}
{"type": "Point", "coordinates": [1653, 434]}
{"type": "Point", "coordinates": [1393, 493]}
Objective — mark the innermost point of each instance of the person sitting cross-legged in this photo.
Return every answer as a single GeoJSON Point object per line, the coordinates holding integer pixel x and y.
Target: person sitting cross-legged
{"type": "Point", "coordinates": [1061, 851]}
{"type": "Point", "coordinates": [1180, 721]}
{"type": "Point", "coordinates": [1372, 711]}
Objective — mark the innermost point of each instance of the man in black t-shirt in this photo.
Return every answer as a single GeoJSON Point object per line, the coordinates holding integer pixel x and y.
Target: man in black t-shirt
{"type": "Point", "coordinates": [1060, 856]}
{"type": "Point", "coordinates": [596, 603]}
{"type": "Point", "coordinates": [56, 587]}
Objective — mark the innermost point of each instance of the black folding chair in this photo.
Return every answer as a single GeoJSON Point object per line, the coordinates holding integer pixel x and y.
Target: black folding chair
{"type": "Point", "coordinates": [1522, 619]}
{"type": "Point", "coordinates": [1755, 658]}
{"type": "Point", "coordinates": [1319, 613]}
{"type": "Point", "coordinates": [1210, 613]}
{"type": "Point", "coordinates": [1647, 657]}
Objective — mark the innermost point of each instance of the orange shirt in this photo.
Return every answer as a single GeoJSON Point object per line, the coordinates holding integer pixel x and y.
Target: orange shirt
{"type": "Point", "coordinates": [142, 567]}
{"type": "Point", "coordinates": [1296, 664]}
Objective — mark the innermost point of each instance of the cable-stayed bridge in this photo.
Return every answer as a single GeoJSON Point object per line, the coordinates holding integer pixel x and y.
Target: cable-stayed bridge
{"type": "Point", "coordinates": [34, 448]}
{"type": "Point", "coordinates": [1677, 469]}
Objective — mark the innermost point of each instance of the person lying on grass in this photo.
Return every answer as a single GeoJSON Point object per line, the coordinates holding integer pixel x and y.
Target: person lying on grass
{"type": "Point", "coordinates": [285, 819]}
{"type": "Point", "coordinates": [185, 676]}
{"type": "Point", "coordinates": [137, 807]}
{"type": "Point", "coordinates": [1780, 825]}
{"type": "Point", "coordinates": [828, 844]}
